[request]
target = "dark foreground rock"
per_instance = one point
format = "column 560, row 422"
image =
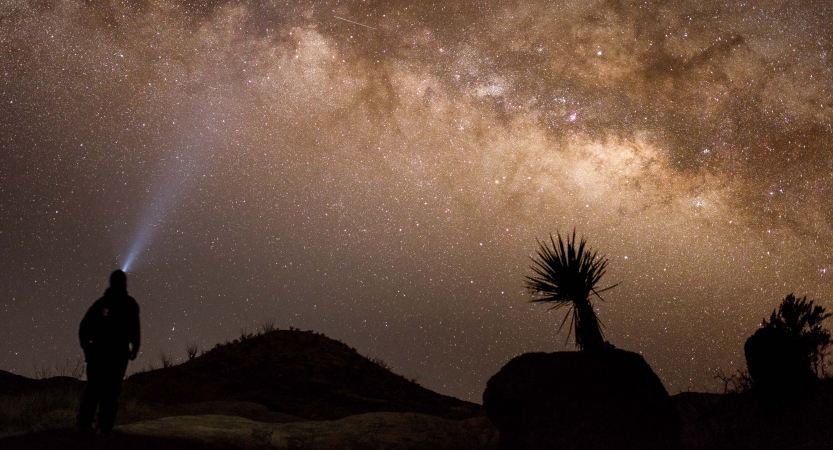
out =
column 745, row 421
column 581, row 400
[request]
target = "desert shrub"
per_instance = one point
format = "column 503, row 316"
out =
column 166, row 358
column 43, row 372
column 73, row 368
column 268, row 325
column 191, row 350
column 381, row 363
column 802, row 320
column 246, row 334
column 734, row 383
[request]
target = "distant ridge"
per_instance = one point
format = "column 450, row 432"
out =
column 13, row 384
column 295, row 372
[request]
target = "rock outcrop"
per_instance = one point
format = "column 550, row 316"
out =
column 608, row 399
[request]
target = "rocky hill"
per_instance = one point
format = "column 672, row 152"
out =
column 280, row 389
column 300, row 373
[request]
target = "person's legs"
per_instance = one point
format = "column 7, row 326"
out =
column 110, row 390
column 91, row 396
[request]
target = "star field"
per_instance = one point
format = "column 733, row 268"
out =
column 379, row 172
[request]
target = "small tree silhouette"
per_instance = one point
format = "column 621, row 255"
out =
column 191, row 350
column 802, row 320
column 566, row 275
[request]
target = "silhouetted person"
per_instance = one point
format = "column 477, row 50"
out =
column 109, row 336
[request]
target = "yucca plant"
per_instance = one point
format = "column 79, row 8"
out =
column 566, row 274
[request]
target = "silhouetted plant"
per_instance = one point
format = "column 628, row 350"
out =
column 71, row 368
column 166, row 358
column 245, row 334
column 381, row 363
column 566, row 275
column 268, row 325
column 191, row 350
column 734, row 383
column 43, row 372
column 802, row 319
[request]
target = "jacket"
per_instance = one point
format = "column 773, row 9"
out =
column 111, row 327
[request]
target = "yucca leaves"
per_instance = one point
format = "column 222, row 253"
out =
column 566, row 274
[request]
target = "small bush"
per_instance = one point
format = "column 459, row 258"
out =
column 381, row 363
column 734, row 383
column 191, row 350
column 166, row 358
column 245, row 334
column 69, row 368
column 802, row 320
column 43, row 372
column 267, row 326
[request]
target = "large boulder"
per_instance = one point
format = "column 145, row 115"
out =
column 608, row 399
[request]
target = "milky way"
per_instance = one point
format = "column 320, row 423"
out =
column 379, row 171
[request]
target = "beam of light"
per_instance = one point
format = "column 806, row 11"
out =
column 149, row 225
column 164, row 201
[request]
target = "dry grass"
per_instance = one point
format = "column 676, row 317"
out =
column 53, row 408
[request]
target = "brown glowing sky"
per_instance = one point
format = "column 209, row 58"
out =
column 379, row 171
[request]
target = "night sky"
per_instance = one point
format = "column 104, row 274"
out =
column 379, row 171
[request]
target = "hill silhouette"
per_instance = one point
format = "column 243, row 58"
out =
column 295, row 386
column 12, row 384
column 300, row 373
column 305, row 388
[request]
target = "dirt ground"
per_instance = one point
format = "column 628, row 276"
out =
column 70, row 440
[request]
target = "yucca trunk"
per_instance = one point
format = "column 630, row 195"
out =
column 588, row 334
